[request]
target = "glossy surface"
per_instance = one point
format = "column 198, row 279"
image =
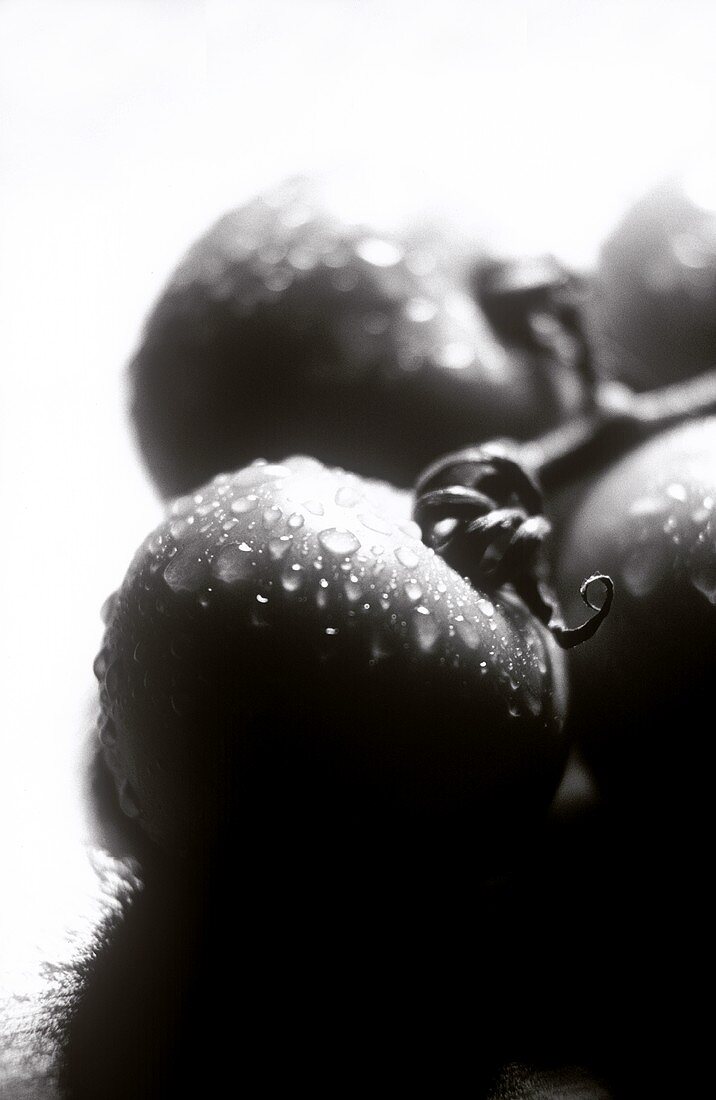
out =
column 284, row 647
column 655, row 294
column 286, row 328
column 644, row 686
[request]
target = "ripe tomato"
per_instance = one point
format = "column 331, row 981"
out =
column 655, row 296
column 285, row 649
column 285, row 329
column 647, row 679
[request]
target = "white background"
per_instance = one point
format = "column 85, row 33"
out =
column 126, row 127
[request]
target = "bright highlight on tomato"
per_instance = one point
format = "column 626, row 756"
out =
column 285, row 651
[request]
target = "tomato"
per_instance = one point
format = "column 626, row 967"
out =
column 286, row 650
column 655, row 297
column 642, row 691
column 286, row 329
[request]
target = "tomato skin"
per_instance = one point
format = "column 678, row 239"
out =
column 644, row 683
column 285, row 329
column 284, row 650
column 654, row 306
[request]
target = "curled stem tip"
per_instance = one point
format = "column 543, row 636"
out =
column 481, row 511
column 568, row 637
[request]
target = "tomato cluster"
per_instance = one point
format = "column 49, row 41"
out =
column 336, row 712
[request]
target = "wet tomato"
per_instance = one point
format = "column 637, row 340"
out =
column 643, row 692
column 286, row 329
column 654, row 301
column 285, row 651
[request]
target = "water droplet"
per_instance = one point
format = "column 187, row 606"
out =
column 107, row 733
column 323, row 582
column 278, row 547
column 407, row 557
column 229, row 525
column 100, row 664
column 296, row 520
column 486, row 607
column 182, row 506
column 331, row 630
column 352, row 588
column 314, row 507
column 411, row 529
column 378, row 253
column 258, row 474
column 426, row 628
column 271, row 517
column 178, row 528
column 233, row 563
column 348, row 496
column 198, row 498
column 244, row 504
column 469, row 633
column 127, row 800
column 108, row 607
column 292, row 581
column 339, row 542
column 376, row 523
column 261, row 599
column 413, row 590
column 186, row 571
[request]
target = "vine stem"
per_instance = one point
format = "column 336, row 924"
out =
column 619, row 420
column 480, row 507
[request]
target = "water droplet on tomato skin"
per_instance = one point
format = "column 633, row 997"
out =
column 107, row 732
column 234, row 562
column 127, row 800
column 413, row 591
column 271, row 516
column 427, row 630
column 186, row 571
column 244, row 504
column 407, row 557
column 277, row 547
column 292, row 578
column 375, row 523
column 468, row 632
column 339, row 542
column 100, row 664
column 348, row 496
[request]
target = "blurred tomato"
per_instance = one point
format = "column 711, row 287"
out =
column 285, row 329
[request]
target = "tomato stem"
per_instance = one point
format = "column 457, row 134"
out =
column 480, row 507
column 619, row 421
